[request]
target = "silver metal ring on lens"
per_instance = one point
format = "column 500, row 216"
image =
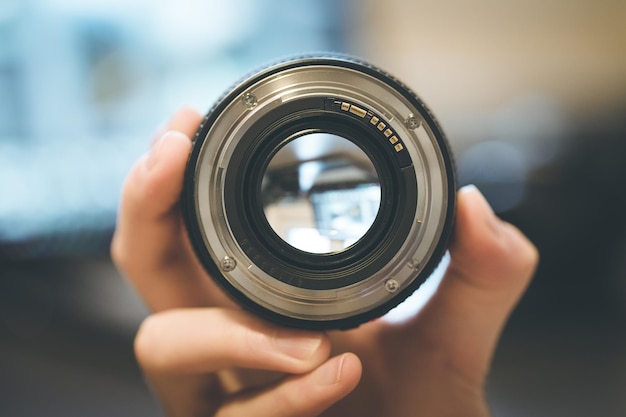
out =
column 319, row 192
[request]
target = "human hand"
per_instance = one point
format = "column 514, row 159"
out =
column 205, row 356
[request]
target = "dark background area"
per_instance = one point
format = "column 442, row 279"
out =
column 547, row 147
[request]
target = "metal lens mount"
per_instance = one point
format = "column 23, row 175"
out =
column 230, row 177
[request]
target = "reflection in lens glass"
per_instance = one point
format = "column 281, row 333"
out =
column 320, row 193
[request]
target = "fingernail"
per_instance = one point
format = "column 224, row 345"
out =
column 298, row 345
column 155, row 153
column 489, row 216
column 470, row 189
column 330, row 372
column 158, row 134
column 153, row 156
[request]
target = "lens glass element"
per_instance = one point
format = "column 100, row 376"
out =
column 320, row 193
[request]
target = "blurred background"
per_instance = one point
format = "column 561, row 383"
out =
column 532, row 96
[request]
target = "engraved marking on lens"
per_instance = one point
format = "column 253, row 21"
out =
column 393, row 139
column 374, row 120
column 381, row 126
column 398, row 147
column 413, row 264
column 345, row 106
column 388, row 132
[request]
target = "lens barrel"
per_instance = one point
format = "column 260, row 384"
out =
column 233, row 176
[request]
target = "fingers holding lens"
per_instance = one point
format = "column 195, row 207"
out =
column 185, row 352
column 150, row 245
column 305, row 395
column 192, row 341
column 491, row 264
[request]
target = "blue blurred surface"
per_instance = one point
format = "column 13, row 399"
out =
column 84, row 84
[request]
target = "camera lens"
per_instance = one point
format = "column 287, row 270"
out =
column 319, row 192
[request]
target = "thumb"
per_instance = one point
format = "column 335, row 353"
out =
column 491, row 264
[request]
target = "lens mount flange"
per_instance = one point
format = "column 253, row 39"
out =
column 222, row 205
